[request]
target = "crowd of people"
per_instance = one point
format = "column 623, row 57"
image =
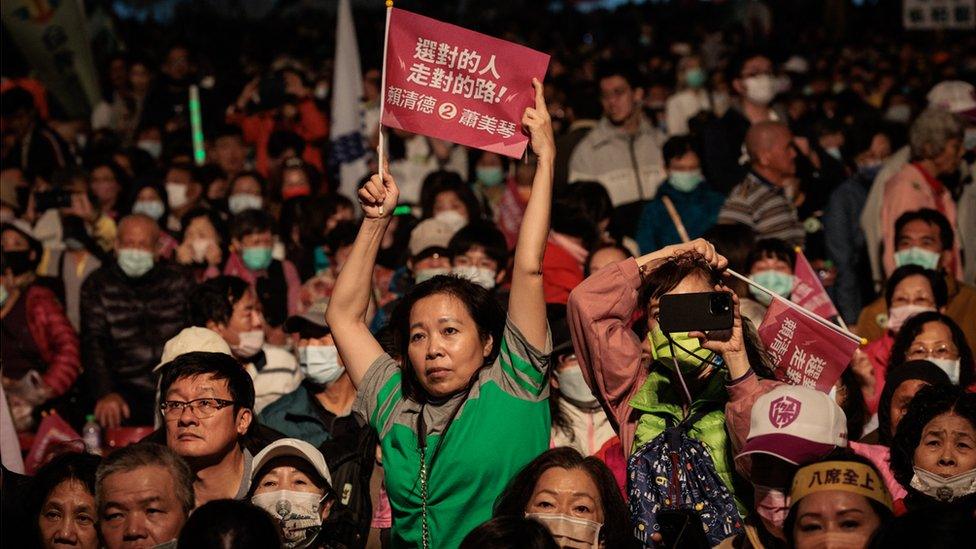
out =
column 467, row 351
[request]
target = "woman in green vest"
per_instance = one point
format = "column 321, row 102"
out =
column 461, row 406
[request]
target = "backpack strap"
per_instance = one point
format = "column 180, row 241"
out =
column 675, row 218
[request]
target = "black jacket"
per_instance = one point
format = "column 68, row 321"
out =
column 124, row 324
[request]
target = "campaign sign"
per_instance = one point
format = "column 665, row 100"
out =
column 804, row 351
column 451, row 83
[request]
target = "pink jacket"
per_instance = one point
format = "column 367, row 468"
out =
column 235, row 267
column 910, row 190
column 600, row 317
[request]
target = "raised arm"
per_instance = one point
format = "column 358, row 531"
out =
column 346, row 315
column 527, row 303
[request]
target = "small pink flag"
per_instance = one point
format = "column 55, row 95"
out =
column 804, row 351
column 52, row 434
column 451, row 83
column 808, row 292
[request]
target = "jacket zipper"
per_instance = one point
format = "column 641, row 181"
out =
column 633, row 161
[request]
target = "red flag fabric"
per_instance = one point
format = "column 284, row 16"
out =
column 808, row 292
column 51, row 433
column 455, row 84
column 804, row 351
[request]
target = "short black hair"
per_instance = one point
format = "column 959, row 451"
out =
column 771, row 248
column 282, row 140
column 929, row 402
column 444, row 181
column 509, row 532
column 936, row 282
column 14, row 100
column 484, row 234
column 211, row 215
column 214, row 300
column 262, row 182
column 342, row 235
column 626, row 71
column 676, row 147
column 229, row 523
column 251, row 222
column 932, row 217
column 737, row 64
column 228, row 130
column 217, row 365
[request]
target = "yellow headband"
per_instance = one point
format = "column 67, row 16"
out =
column 846, row 476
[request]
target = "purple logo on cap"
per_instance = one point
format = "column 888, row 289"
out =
column 783, row 411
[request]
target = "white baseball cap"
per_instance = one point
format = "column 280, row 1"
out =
column 955, row 96
column 796, row 424
column 190, row 340
column 291, row 447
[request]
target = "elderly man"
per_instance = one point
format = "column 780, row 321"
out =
column 207, row 404
column 144, row 493
column 129, row 309
column 936, row 146
column 760, row 201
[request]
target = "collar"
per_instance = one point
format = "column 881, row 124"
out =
column 585, row 123
column 937, row 187
column 658, row 395
column 754, row 176
column 259, row 361
column 605, row 132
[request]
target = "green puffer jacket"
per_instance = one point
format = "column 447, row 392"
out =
column 656, row 397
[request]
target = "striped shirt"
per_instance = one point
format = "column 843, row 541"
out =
column 763, row 207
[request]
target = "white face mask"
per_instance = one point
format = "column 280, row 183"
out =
column 772, row 506
column 424, row 275
column 249, row 343
column 452, row 218
column 154, row 148
column 949, row 366
column 570, row 531
column 760, row 89
column 944, row 488
column 320, row 363
column 481, row 276
column 176, row 195
column 897, row 316
column 298, row 514
column 573, row 386
column 200, row 247
column 239, row 202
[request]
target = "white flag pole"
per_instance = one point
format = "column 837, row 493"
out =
column 805, row 312
column 381, row 145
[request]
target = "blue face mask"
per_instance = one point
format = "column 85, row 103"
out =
column 134, row 262
column 778, row 282
column 151, row 208
column 917, row 256
column 695, row 78
column 490, row 175
column 686, row 181
column 257, row 258
column 869, row 171
column 320, row 363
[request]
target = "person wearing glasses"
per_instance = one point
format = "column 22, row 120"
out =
column 935, row 337
column 208, row 408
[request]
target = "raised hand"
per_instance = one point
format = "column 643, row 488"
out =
column 378, row 197
column 701, row 247
column 537, row 121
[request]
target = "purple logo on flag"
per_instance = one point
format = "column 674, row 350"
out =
column 783, row 411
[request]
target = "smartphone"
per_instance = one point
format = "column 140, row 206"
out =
column 682, row 528
column 699, row 312
column 57, row 198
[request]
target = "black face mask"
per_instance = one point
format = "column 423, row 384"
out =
column 18, row 262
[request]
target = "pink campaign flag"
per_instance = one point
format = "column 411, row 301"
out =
column 808, row 292
column 804, row 351
column 451, row 83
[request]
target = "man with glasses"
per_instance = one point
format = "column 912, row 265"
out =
column 207, row 404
